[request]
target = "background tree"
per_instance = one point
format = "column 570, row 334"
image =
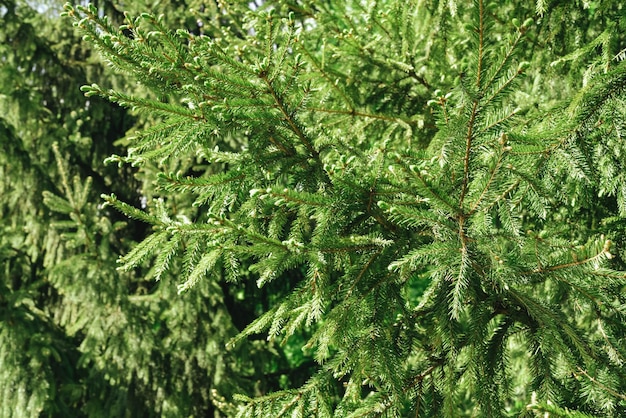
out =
column 42, row 116
column 77, row 337
column 409, row 206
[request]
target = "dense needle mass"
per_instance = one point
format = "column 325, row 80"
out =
column 355, row 208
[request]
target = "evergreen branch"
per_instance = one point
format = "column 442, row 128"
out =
column 100, row 33
column 284, row 50
column 502, row 88
column 333, row 85
column 257, row 326
column 175, row 182
column 221, row 82
column 420, row 377
column 383, row 279
column 165, row 256
column 349, row 248
column 212, row 228
column 550, row 319
column 597, row 257
column 481, row 46
column 202, row 267
column 492, row 176
column 143, row 250
column 469, row 136
column 590, row 101
column 340, row 266
column 424, row 255
column 414, row 170
column 386, row 402
column 297, row 197
column 376, row 215
column 270, row 38
column 288, row 405
column 498, row 122
column 600, row 41
column 287, row 117
column 373, row 18
column 462, row 280
column 419, row 78
column 56, row 203
column 416, row 218
column 227, row 58
column 362, row 272
column 157, row 132
column 550, row 410
column 505, row 60
column 300, row 9
column 139, row 103
column 580, row 289
column 63, row 173
column 306, row 96
column 254, row 236
column 441, row 101
column 290, row 152
column 129, row 210
column 613, row 350
column 174, row 43
column 360, row 114
column 503, row 195
column 601, row 386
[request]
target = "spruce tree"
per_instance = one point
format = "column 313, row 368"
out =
column 77, row 337
column 416, row 200
column 44, row 128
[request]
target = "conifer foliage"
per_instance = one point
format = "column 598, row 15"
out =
column 77, row 337
column 429, row 193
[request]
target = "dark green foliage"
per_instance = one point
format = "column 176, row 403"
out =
column 78, row 337
column 393, row 208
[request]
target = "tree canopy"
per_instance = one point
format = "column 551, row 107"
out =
column 313, row 208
